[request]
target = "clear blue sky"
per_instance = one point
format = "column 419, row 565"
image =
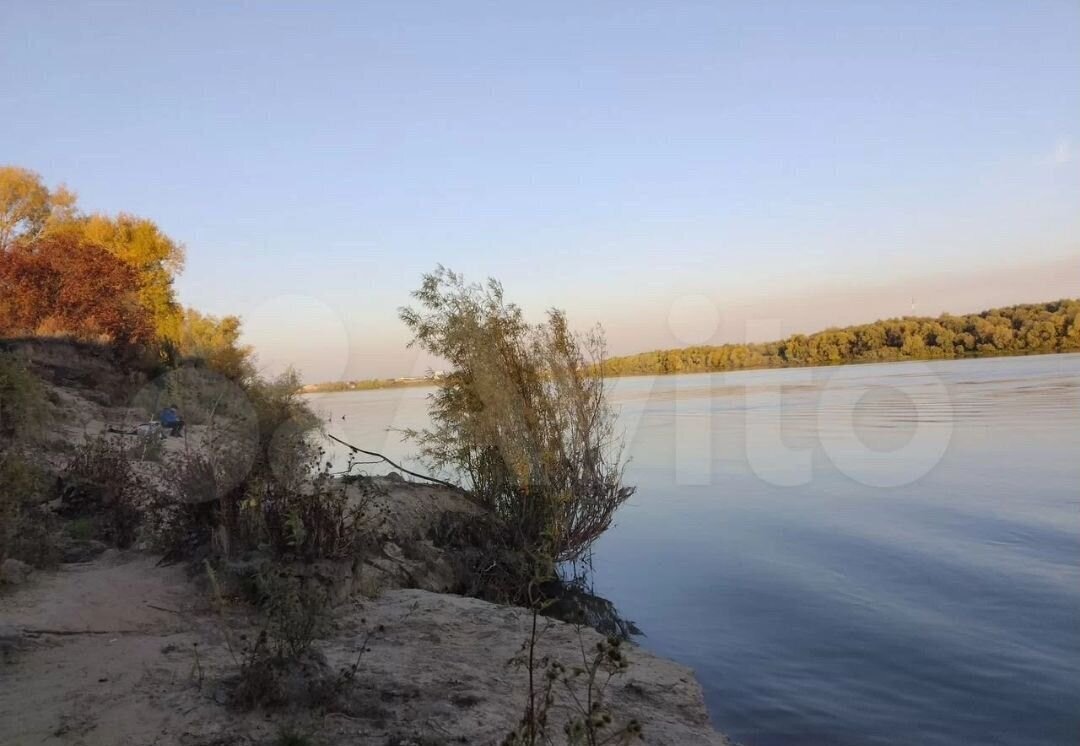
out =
column 813, row 163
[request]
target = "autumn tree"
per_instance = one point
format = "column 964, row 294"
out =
column 66, row 285
column 156, row 258
column 29, row 210
column 27, row 206
column 216, row 342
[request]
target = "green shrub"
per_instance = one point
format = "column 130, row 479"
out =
column 522, row 416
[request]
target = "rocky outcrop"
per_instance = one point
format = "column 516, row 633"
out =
column 444, row 665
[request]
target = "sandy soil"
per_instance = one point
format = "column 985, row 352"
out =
column 106, row 655
column 92, row 666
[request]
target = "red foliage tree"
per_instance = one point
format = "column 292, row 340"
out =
column 63, row 284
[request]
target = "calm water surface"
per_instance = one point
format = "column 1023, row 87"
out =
column 880, row 554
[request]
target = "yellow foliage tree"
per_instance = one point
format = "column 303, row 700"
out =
column 156, row 257
column 27, row 206
column 216, row 342
column 28, row 210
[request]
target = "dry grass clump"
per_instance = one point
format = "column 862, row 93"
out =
column 280, row 664
column 101, row 484
column 578, row 691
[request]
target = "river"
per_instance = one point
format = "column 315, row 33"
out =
column 872, row 554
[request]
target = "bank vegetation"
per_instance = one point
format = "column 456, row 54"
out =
column 1028, row 329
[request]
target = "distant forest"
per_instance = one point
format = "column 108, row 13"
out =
column 366, row 384
column 1012, row 330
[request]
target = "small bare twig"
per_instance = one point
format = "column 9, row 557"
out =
column 162, row 608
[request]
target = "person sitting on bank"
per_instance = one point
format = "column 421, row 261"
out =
column 171, row 420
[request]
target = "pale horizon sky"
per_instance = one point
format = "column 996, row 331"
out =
column 801, row 164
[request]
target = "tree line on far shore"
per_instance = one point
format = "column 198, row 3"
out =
column 1033, row 328
column 368, row 384
column 1011, row 330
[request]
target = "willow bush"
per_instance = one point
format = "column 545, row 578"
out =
column 521, row 417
